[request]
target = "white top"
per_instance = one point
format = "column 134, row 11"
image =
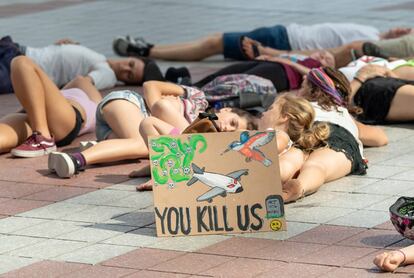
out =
column 339, row 117
column 352, row 68
column 62, row 63
column 328, row 35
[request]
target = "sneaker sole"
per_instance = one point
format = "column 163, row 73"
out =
column 19, row 153
column 62, row 164
column 120, row 43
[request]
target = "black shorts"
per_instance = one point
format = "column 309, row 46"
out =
column 341, row 140
column 375, row 97
column 75, row 131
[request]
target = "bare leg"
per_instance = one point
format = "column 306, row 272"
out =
column 323, row 165
column 14, row 129
column 48, row 111
column 149, row 127
column 191, row 51
column 85, row 84
column 390, row 261
column 115, row 150
column 124, row 118
column 165, row 110
column 402, row 105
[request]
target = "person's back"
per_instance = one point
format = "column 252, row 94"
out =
column 64, row 62
column 328, row 35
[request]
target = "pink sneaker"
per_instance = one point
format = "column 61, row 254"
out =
column 35, row 145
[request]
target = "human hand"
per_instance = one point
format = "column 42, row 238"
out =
column 397, row 32
column 66, row 41
column 371, row 71
column 389, row 261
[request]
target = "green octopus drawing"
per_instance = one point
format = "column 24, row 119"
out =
column 171, row 163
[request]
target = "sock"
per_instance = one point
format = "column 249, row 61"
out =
column 80, row 160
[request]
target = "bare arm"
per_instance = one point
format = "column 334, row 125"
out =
column 85, row 83
column 154, row 90
column 371, row 136
column 282, row 139
column 65, row 41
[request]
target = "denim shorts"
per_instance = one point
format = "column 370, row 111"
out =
column 102, row 128
column 275, row 37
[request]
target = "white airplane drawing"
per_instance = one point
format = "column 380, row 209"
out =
column 220, row 184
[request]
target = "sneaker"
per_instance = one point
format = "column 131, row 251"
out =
column 128, row 46
column 63, row 164
column 35, row 145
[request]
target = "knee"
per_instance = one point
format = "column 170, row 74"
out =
column 20, row 62
column 146, row 126
column 160, row 107
column 214, row 42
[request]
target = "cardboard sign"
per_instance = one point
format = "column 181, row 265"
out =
column 216, row 183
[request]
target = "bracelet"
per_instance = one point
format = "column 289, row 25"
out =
column 405, row 258
column 359, row 80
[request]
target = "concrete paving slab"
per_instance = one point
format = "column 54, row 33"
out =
column 95, row 253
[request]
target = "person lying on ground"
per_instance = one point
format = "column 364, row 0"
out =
column 398, row 47
column 120, row 114
column 329, row 92
column 291, row 117
column 51, row 117
column 290, row 37
column 65, row 61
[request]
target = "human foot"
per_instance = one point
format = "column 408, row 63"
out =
column 35, row 145
column 390, row 261
column 143, row 172
column 292, row 190
column 146, row 186
column 251, row 48
column 65, row 165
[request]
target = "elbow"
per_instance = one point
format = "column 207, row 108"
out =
column 379, row 141
column 384, row 141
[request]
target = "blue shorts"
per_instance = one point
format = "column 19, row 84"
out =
column 275, row 37
column 8, row 50
column 102, row 128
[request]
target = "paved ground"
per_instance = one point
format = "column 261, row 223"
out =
column 97, row 225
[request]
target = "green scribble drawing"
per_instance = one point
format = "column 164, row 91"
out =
column 173, row 158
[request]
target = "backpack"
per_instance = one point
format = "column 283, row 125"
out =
column 243, row 91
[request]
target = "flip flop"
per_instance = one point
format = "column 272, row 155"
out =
column 255, row 49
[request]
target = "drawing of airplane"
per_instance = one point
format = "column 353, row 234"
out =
column 248, row 146
column 220, row 184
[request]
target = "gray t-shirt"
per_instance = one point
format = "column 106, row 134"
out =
column 62, row 63
column 328, row 35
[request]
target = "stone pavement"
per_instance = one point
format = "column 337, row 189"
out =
column 96, row 225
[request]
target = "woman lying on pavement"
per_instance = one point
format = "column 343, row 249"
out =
column 290, row 116
column 384, row 98
column 329, row 93
column 120, row 114
column 51, row 117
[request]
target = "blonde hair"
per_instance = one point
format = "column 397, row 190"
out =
column 300, row 125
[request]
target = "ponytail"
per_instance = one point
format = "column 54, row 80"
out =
column 313, row 137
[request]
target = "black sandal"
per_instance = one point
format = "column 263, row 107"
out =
column 255, row 49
